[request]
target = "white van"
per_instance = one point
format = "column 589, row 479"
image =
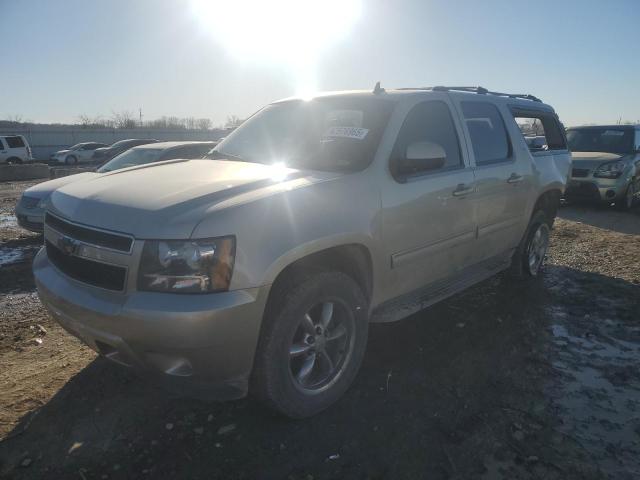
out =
column 14, row 149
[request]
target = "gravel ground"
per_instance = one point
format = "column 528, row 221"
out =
column 508, row 380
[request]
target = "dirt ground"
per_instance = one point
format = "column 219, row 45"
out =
column 508, row 380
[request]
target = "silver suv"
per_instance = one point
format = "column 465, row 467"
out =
column 260, row 272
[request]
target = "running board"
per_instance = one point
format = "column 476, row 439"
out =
column 406, row 305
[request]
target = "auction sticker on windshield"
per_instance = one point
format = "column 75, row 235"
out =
column 346, row 132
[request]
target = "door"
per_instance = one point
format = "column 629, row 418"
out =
column 504, row 179
column 85, row 152
column 428, row 226
column 4, row 153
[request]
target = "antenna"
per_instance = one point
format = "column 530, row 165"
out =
column 378, row 89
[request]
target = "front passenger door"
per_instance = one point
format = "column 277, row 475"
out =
column 428, row 225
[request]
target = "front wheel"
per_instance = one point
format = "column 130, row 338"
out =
column 312, row 345
column 626, row 202
column 71, row 160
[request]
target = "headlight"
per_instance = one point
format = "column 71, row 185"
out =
column 29, row 202
column 187, row 266
column 610, row 170
column 44, row 201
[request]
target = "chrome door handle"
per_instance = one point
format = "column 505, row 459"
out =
column 515, row 178
column 462, row 190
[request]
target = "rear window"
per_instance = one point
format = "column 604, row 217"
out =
column 14, row 142
column 541, row 130
column 487, row 131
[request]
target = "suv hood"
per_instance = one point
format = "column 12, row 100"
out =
column 591, row 160
column 168, row 199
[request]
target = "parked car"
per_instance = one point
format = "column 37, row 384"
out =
column 261, row 271
column 606, row 164
column 105, row 154
column 31, row 207
column 14, row 149
column 79, row 153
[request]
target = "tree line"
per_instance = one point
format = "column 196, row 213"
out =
column 127, row 119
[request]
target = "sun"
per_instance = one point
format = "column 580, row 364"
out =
column 292, row 33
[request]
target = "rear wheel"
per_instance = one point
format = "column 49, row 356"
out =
column 14, row 161
column 312, row 345
column 530, row 254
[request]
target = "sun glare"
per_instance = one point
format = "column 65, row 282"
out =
column 292, row 33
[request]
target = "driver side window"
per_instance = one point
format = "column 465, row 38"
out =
column 428, row 125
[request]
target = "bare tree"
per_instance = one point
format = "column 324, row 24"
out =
column 123, row 119
column 233, row 121
column 17, row 118
column 87, row 121
column 174, row 122
column 203, row 124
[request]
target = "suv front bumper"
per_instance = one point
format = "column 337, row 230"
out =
column 202, row 343
column 596, row 189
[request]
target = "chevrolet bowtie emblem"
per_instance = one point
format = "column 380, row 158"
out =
column 68, row 245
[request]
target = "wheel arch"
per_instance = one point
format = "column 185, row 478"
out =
column 548, row 201
column 352, row 259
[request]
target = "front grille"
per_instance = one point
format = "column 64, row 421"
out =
column 88, row 235
column 579, row 172
column 98, row 274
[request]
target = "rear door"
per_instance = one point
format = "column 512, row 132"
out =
column 428, row 226
column 4, row 152
column 504, row 177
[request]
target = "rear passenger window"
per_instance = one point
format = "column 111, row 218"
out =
column 541, row 130
column 487, row 131
column 430, row 122
column 14, row 142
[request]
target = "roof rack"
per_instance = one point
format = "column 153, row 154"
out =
column 478, row 90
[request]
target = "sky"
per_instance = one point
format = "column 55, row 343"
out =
column 65, row 58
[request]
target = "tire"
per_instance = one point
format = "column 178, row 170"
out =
column 71, row 160
column 294, row 356
column 14, row 161
column 529, row 256
column 626, row 202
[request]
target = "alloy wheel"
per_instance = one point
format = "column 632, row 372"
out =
column 538, row 248
column 321, row 346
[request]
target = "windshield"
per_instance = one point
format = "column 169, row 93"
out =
column 337, row 133
column 131, row 158
column 76, row 146
column 610, row 140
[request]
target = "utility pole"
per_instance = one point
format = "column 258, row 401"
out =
column 140, row 111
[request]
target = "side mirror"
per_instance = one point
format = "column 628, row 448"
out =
column 422, row 157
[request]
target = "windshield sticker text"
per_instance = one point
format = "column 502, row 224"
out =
column 346, row 132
